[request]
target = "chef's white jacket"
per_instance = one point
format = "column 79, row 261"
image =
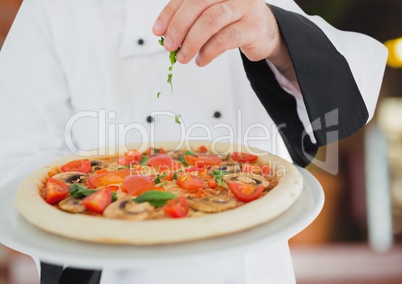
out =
column 79, row 75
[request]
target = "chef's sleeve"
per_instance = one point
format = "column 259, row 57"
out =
column 34, row 95
column 339, row 74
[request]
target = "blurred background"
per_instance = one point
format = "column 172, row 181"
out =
column 358, row 236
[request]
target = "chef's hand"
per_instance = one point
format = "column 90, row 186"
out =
column 207, row 28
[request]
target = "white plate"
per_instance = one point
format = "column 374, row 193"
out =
column 19, row 235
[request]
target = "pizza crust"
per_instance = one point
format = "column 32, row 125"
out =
column 35, row 210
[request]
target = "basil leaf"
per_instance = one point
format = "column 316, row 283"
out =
column 177, row 119
column 155, row 197
column 144, row 161
column 183, row 159
column 162, row 40
column 78, row 191
column 175, row 175
column 219, row 176
column 114, row 196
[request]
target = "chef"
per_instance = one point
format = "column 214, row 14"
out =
column 79, row 75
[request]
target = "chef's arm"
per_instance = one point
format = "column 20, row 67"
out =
column 339, row 74
column 34, row 95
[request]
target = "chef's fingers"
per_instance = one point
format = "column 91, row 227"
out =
column 228, row 38
column 165, row 16
column 185, row 17
column 211, row 21
column 256, row 34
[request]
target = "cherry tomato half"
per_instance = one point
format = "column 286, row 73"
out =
column 202, row 149
column 212, row 183
column 112, row 177
column 55, row 190
column 245, row 192
column 98, row 201
column 190, row 182
column 82, row 166
column 138, row 184
column 130, row 157
column 176, row 208
column 162, row 162
column 207, row 160
column 243, row 157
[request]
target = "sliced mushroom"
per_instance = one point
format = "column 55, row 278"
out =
column 213, row 204
column 247, row 178
column 97, row 165
column 229, row 167
column 72, row 177
column 128, row 210
column 176, row 154
column 72, row 205
column 223, row 157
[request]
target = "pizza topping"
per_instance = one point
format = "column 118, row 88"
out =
column 218, row 176
column 176, row 208
column 247, row 178
column 190, row 182
column 228, row 167
column 162, row 162
column 129, row 210
column 97, row 165
column 245, row 192
column 155, row 151
column 98, row 201
column 138, row 184
column 82, row 166
column 55, row 191
column 70, row 178
column 243, row 157
column 204, row 160
column 213, row 204
column 155, row 184
column 72, row 205
column 201, row 149
column 176, row 154
column 130, row 157
column 111, row 177
column 155, row 197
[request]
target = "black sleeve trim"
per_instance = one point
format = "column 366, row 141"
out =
column 333, row 101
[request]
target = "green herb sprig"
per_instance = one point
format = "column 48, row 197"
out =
column 173, row 60
column 183, row 158
column 219, row 176
column 80, row 192
column 158, row 178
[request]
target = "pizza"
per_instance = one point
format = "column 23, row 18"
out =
column 162, row 195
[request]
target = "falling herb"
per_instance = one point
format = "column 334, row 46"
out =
column 177, row 118
column 173, row 60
